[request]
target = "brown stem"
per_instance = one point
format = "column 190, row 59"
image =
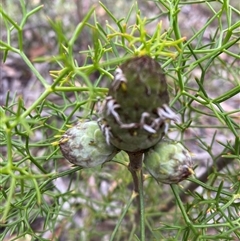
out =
column 135, row 164
column 135, row 167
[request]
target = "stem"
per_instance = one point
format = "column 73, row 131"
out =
column 113, row 236
column 135, row 167
column 181, row 207
column 141, row 204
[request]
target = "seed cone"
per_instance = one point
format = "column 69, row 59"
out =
column 168, row 162
column 135, row 115
column 84, row 145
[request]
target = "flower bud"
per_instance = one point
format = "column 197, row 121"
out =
column 84, row 145
column 168, row 162
column 135, row 114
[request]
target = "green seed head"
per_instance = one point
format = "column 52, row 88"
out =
column 84, row 145
column 135, row 114
column 168, row 162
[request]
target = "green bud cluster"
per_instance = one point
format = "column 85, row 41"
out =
column 134, row 118
column 168, row 162
column 84, row 145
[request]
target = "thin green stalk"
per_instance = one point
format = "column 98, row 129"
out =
column 227, row 95
column 41, row 98
column 8, row 18
column 120, row 219
column 175, row 23
column 80, row 89
column 139, row 174
column 33, row 69
column 212, row 54
column 78, row 30
column 27, row 15
column 9, row 199
column 180, row 205
column 9, row 147
column 201, row 30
